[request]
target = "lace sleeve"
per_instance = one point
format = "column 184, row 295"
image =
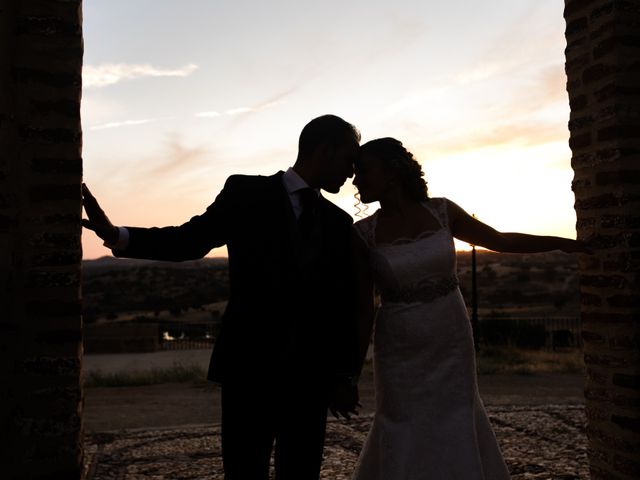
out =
column 440, row 206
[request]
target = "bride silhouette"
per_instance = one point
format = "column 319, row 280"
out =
column 429, row 420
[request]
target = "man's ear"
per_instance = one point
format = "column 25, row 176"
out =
column 319, row 155
column 326, row 151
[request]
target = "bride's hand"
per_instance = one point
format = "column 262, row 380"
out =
column 579, row 246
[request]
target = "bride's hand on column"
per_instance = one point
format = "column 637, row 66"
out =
column 579, row 246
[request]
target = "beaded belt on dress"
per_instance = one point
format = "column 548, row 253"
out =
column 424, row 291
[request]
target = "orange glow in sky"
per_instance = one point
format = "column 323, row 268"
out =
column 176, row 101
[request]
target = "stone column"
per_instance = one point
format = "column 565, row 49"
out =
column 603, row 70
column 40, row 206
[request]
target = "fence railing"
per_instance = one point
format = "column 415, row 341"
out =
column 550, row 333
column 186, row 336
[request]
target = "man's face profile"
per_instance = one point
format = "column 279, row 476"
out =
column 338, row 165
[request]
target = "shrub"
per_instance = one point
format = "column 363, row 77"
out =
column 178, row 373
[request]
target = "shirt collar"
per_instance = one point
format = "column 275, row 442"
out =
column 294, row 182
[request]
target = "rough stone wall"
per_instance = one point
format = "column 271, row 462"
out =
column 603, row 70
column 40, row 205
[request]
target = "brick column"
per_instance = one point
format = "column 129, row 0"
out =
column 40, row 173
column 603, row 70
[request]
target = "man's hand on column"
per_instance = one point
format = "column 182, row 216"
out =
column 98, row 220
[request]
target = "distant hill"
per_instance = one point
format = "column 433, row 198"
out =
column 114, row 263
column 112, row 287
column 522, row 285
column 509, row 285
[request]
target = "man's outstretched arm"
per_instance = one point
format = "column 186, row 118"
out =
column 189, row 241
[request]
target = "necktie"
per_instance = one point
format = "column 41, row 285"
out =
column 309, row 203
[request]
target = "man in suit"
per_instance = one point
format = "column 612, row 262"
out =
column 287, row 347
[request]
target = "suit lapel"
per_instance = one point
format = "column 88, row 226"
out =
column 286, row 226
column 325, row 222
column 282, row 200
column 313, row 246
column 284, row 223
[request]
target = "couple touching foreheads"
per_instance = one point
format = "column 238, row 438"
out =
column 300, row 314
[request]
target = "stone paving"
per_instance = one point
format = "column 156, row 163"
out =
column 538, row 442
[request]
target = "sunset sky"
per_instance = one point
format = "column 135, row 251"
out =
column 178, row 95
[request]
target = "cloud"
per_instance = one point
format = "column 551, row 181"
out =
column 483, row 71
column 523, row 134
column 112, row 73
column 544, row 90
column 229, row 112
column 172, row 164
column 517, row 47
column 179, row 156
column 237, row 111
column 553, row 83
column 208, row 114
column 270, row 102
column 123, row 123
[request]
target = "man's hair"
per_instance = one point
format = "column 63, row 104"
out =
column 329, row 130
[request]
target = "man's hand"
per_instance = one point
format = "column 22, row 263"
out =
column 98, row 220
column 344, row 400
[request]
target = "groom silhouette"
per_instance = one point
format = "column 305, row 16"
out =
column 287, row 346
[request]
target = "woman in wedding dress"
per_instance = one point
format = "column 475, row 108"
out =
column 429, row 421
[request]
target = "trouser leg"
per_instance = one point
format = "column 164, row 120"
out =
column 248, row 431
column 300, row 434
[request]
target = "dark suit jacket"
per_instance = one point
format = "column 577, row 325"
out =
column 291, row 303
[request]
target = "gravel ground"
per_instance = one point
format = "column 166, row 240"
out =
column 147, row 433
column 177, row 404
column 538, row 442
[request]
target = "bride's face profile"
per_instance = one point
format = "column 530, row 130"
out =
column 371, row 178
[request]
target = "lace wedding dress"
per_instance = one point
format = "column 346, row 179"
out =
column 430, row 423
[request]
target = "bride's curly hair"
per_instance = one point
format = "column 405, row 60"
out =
column 400, row 161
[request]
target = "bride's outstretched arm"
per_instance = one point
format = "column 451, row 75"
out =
column 473, row 231
column 364, row 298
